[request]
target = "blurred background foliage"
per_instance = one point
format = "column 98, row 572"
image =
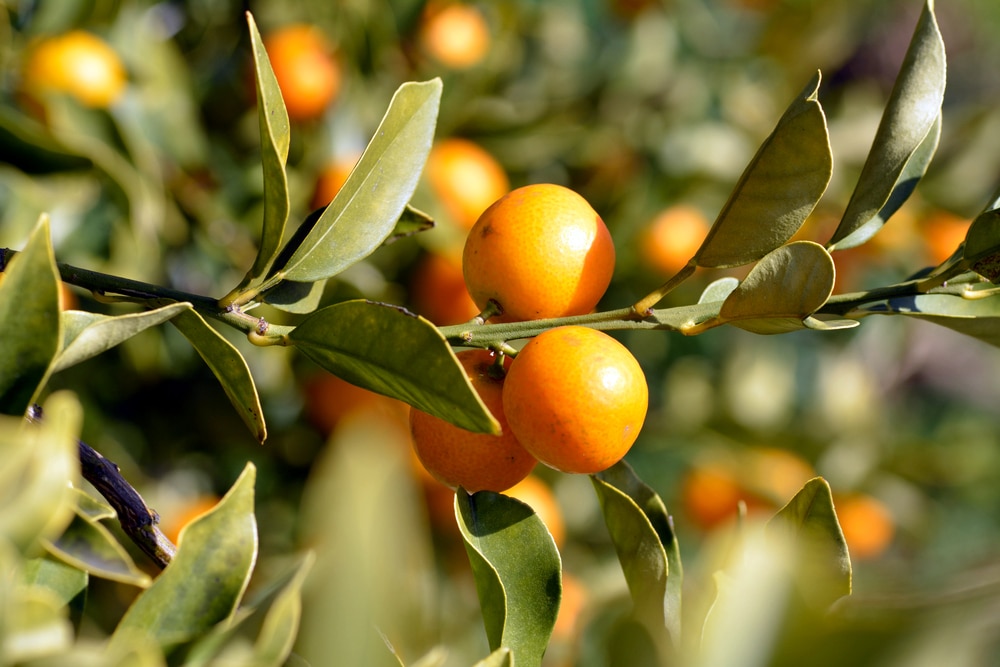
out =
column 638, row 105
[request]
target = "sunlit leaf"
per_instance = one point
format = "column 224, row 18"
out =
column 979, row 318
column 906, row 136
column 365, row 210
column 718, row 290
column 30, row 328
column 89, row 546
column 88, row 334
column 502, row 657
column 517, row 569
column 229, row 367
column 390, row 351
column 642, row 532
column 64, row 580
column 206, row 579
column 778, row 189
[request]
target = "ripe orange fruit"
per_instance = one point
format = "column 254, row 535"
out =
column 466, row 178
column 306, row 70
column 328, row 399
column 539, row 251
column 867, row 525
column 710, row 495
column 474, row 461
column 437, row 290
column 79, row 64
column 536, row 493
column 673, row 237
column 455, row 35
column 185, row 514
column 943, row 233
column 576, row 399
column 331, row 178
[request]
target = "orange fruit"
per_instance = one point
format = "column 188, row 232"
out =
column 329, row 399
column 455, row 35
column 306, row 70
column 473, row 461
column 185, row 514
column 536, row 493
column 576, row 399
column 77, row 63
column 437, row 290
column 571, row 608
column 331, row 178
column 539, row 251
column 710, row 495
column 943, row 233
column 466, row 178
column 673, row 237
column 867, row 525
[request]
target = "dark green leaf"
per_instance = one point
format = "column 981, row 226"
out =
column 778, row 189
column 979, row 318
column 205, row 581
column 365, row 210
column 906, row 134
column 393, row 352
column 26, row 145
column 30, row 328
column 642, row 532
column 517, row 570
column 229, row 367
column 86, row 335
column 293, row 297
column 64, row 580
column 982, row 245
column 89, row 546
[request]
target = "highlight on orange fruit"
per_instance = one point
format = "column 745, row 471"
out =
column 466, row 178
column 332, row 178
column 673, row 237
column 867, row 524
column 306, row 69
column 576, row 399
column 437, row 290
column 943, row 232
column 454, row 34
column 533, row 491
column 563, row 271
column 473, row 461
column 79, row 64
column 172, row 524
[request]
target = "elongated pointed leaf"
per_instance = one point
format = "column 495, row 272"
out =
column 778, row 189
column 979, row 318
column 89, row 546
column 809, row 518
column 643, row 535
column 517, row 569
column 274, row 138
column 393, row 352
column 229, row 367
column 281, row 625
column 906, row 133
column 205, row 581
column 365, row 210
column 88, row 334
column 29, row 312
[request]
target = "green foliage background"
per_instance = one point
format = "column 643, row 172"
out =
column 635, row 105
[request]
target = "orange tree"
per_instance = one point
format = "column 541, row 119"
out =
column 785, row 594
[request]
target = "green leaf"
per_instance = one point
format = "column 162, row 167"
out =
column 393, row 352
column 981, row 250
column 979, row 318
column 89, row 546
column 778, row 189
column 784, row 288
column 810, row 520
column 281, row 625
column 365, row 210
column 642, row 532
column 412, row 221
column 502, row 657
column 30, row 328
column 906, row 136
column 205, row 581
column 93, row 508
column 229, row 367
column 274, row 139
column 38, row 463
column 66, row 581
column 517, row 569
column 294, row 297
column 86, row 335
column 718, row 290
column 38, row 629
column 25, row 144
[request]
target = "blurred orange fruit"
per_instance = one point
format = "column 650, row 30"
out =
column 673, row 237
column 571, row 608
column 437, row 290
column 943, row 233
column 466, row 178
column 329, row 399
column 536, row 493
column 185, row 514
column 710, row 495
column 867, row 524
column 331, row 179
column 473, row 461
column 77, row 63
column 539, row 251
column 307, row 72
column 576, row 399
column 454, row 34
column 776, row 474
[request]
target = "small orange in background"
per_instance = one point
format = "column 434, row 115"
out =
column 867, row 524
column 437, row 290
column 466, row 178
column 536, row 493
column 454, row 34
column 943, row 233
column 710, row 495
column 77, row 63
column 474, row 461
column 539, row 251
column 329, row 399
column 576, row 399
column 673, row 237
column 185, row 514
column 332, row 178
column 307, row 72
